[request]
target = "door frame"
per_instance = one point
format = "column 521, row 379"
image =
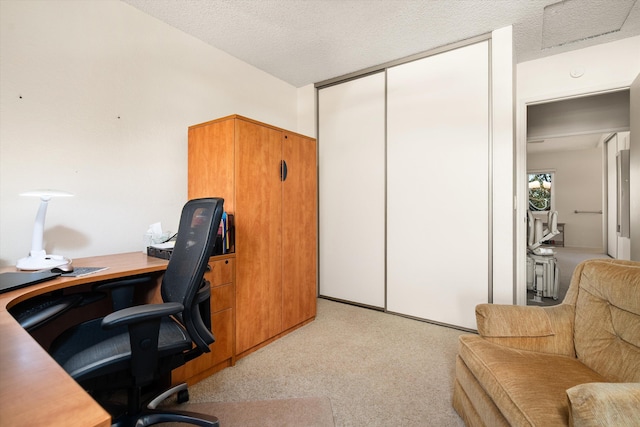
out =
column 520, row 295
column 612, row 138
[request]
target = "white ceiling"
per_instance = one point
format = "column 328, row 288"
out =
column 309, row 41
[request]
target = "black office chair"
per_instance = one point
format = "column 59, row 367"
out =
column 137, row 347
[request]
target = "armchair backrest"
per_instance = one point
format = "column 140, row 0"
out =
column 606, row 297
column 184, row 276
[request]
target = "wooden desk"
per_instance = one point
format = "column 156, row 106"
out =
column 34, row 389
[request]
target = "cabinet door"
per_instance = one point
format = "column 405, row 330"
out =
column 258, row 153
column 299, row 227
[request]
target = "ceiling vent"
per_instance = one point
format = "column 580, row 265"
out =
column 575, row 20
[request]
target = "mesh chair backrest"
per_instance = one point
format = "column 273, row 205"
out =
column 197, row 232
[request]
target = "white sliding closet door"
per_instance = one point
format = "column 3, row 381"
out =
column 438, row 186
column 351, row 151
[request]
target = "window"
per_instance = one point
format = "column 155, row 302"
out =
column 540, row 199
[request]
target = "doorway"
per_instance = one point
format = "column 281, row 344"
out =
column 570, row 139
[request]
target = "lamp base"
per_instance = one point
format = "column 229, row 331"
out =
column 41, row 262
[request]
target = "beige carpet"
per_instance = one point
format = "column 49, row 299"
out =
column 376, row 369
column 308, row 412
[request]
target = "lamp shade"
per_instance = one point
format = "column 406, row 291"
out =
column 47, row 194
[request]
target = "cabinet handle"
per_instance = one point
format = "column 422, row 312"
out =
column 283, row 170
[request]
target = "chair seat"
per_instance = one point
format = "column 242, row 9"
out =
column 83, row 349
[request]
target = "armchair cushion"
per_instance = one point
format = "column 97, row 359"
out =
column 529, row 387
column 604, row 404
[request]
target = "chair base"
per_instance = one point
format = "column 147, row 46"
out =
column 153, row 416
column 124, row 416
column 180, row 390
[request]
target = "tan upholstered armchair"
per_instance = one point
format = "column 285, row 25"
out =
column 577, row 363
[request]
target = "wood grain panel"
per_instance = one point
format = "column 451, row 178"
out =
column 299, row 218
column 210, row 165
column 222, row 297
column 221, row 272
column 258, row 233
column 221, row 350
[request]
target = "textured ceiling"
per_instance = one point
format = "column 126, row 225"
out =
column 308, row 41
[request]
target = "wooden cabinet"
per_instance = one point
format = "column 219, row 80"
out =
column 221, row 276
column 268, row 179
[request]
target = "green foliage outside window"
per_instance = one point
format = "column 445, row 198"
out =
column 540, row 191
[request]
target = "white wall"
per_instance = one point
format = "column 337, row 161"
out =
column 577, row 186
column 503, row 86
column 548, row 79
column 95, row 99
column 634, row 169
column 606, row 66
column 307, row 107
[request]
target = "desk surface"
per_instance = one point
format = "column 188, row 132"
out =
column 34, row 389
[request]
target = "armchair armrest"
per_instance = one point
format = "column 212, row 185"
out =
column 604, row 404
column 543, row 329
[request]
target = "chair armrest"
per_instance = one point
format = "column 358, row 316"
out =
column 543, row 329
column 122, row 291
column 604, row 404
column 136, row 281
column 35, row 312
column 140, row 313
column 143, row 324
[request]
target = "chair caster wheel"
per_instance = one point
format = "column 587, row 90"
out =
column 183, row 396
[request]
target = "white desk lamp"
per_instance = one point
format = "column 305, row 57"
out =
column 38, row 258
